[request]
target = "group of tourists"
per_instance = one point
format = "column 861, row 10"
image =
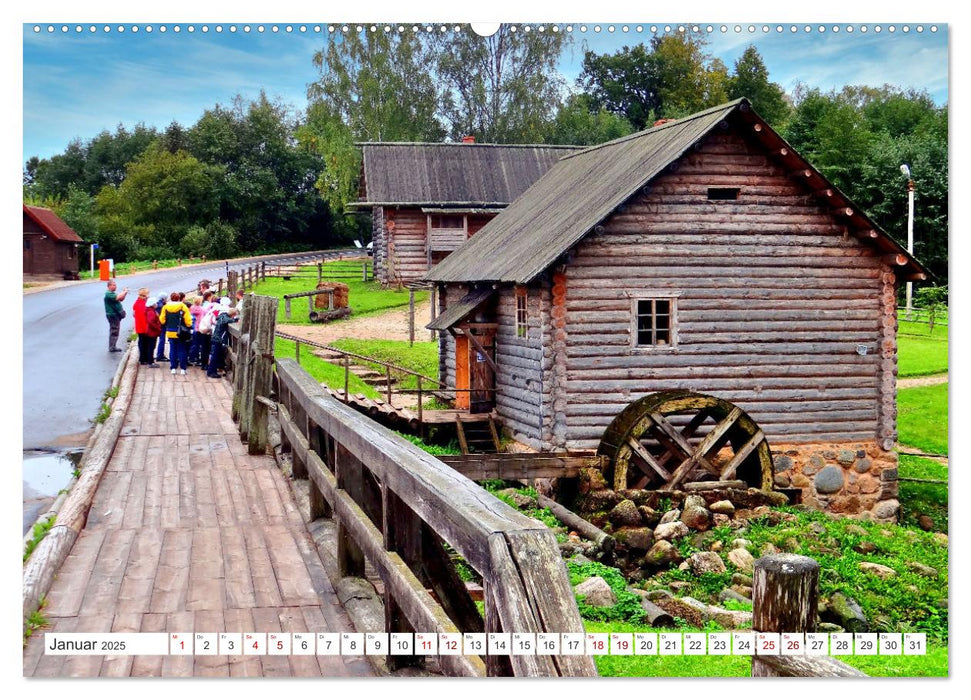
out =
column 196, row 328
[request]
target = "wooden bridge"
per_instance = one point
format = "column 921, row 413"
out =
column 194, row 527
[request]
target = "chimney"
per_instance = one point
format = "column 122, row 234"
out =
column 664, row 121
column 468, row 139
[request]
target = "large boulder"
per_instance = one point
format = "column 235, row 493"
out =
column 706, row 563
column 742, row 559
column 625, row 514
column 696, row 517
column 635, row 538
column 670, row 531
column 661, row 554
column 596, row 592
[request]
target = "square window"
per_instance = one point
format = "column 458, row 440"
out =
column 655, row 322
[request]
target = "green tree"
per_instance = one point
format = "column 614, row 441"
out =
column 577, row 122
column 858, row 138
column 325, row 135
column 503, row 88
column 688, row 79
column 267, row 192
column 750, row 79
column 380, row 84
column 107, row 155
column 78, row 212
column 53, row 176
column 170, row 192
column 672, row 78
column 623, row 83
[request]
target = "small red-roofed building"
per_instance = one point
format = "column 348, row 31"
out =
column 50, row 245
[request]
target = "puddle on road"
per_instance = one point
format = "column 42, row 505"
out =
column 45, row 474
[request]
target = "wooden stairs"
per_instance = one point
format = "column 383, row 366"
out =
column 370, row 376
column 477, row 436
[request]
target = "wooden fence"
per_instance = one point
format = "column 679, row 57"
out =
column 400, row 511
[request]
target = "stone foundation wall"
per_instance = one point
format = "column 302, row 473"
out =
column 850, row 479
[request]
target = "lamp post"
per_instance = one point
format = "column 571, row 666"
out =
column 905, row 169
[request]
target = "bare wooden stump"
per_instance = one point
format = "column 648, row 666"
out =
column 784, row 597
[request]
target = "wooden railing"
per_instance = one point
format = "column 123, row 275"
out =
column 397, row 507
column 399, row 511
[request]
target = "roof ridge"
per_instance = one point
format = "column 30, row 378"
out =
column 465, row 145
column 666, row 125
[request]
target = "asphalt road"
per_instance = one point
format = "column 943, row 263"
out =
column 67, row 366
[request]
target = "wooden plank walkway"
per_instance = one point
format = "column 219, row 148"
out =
column 189, row 533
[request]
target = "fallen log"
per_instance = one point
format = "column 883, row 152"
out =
column 713, row 485
column 658, row 617
column 584, row 528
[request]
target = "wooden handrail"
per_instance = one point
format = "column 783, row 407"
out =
column 395, row 504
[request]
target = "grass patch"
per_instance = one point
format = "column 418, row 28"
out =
column 918, row 499
column 921, row 356
column 451, row 448
column 40, row 532
column 35, row 621
column 920, row 327
column 365, row 298
column 420, row 357
column 922, row 418
column 907, row 602
column 933, row 664
column 321, row 370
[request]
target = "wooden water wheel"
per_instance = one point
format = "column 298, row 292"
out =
column 666, row 439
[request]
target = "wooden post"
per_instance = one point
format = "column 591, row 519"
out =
column 286, row 305
column 262, row 374
column 411, row 317
column 320, row 272
column 263, row 271
column 364, row 272
column 421, row 425
column 330, row 300
column 297, row 343
column 388, row 375
column 784, row 597
column 347, row 377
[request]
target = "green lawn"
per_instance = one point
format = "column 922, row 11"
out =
column 921, row 356
column 364, row 297
column 322, row 371
column 933, row 664
column 420, row 357
column 922, row 418
column 918, row 498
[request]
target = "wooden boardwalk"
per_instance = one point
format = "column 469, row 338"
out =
column 189, row 533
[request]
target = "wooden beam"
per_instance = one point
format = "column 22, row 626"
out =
column 729, row 471
column 638, row 449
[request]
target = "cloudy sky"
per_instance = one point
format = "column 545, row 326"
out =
column 77, row 83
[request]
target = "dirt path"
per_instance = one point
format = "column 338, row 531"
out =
column 908, row 382
column 390, row 325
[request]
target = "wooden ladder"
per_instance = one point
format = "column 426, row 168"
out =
column 477, row 437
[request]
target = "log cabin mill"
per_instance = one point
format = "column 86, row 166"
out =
column 50, row 245
column 426, row 199
column 704, row 255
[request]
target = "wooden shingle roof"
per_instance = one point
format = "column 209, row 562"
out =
column 456, row 174
column 52, row 224
column 583, row 189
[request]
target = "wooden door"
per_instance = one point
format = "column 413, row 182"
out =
column 461, row 372
column 482, row 376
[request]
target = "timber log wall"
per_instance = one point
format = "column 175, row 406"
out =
column 773, row 300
